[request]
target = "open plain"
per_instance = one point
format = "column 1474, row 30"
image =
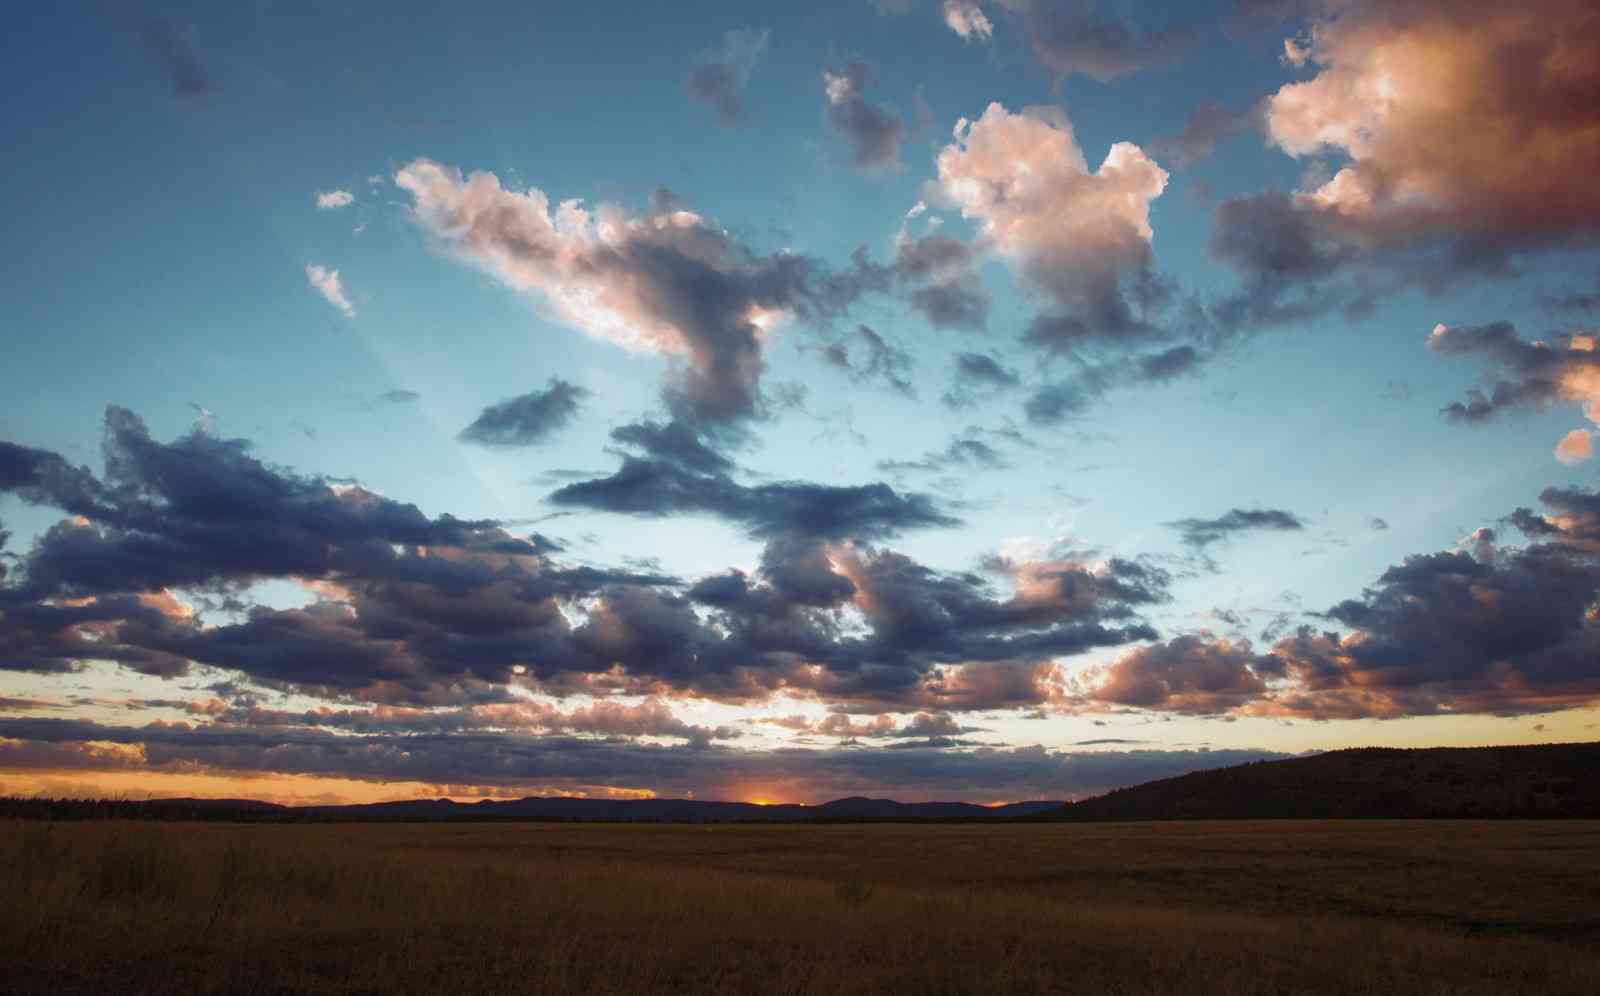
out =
column 1261, row 907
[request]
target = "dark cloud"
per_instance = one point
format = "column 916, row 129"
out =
column 978, row 377
column 1528, row 374
column 672, row 442
column 1584, row 301
column 881, row 361
column 1575, row 525
column 719, row 80
column 202, row 509
column 1167, row 364
column 1200, row 533
column 873, row 132
column 527, row 419
column 1208, row 124
column 941, row 273
column 1486, row 629
column 1494, row 631
column 408, row 610
column 697, row 769
column 174, row 49
column 1073, row 37
column 932, row 641
column 1061, row 399
column 201, row 514
column 965, row 450
column 657, row 487
column 650, row 718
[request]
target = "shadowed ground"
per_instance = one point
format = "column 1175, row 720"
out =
column 1272, row 907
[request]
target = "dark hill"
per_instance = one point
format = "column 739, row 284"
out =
column 1556, row 780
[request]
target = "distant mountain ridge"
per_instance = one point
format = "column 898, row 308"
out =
column 1527, row 782
column 853, row 809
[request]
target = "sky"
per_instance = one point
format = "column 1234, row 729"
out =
column 980, row 399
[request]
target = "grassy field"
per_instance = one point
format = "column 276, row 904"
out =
column 1282, row 907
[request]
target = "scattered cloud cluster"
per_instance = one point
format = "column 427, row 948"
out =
column 1486, row 629
column 876, row 360
column 1529, row 375
column 719, row 79
column 873, row 132
column 419, row 611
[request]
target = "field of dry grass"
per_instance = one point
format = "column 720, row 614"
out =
column 1281, row 907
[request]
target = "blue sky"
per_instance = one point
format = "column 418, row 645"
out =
column 1286, row 225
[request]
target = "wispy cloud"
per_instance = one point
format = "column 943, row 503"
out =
column 327, row 283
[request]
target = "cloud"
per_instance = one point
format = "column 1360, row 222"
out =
column 1208, row 124
column 978, row 377
column 883, row 362
column 1575, row 447
column 1511, row 87
column 701, row 770
column 1583, row 301
column 202, row 514
column 1201, row 533
column 1071, row 37
column 1398, row 82
column 327, row 283
column 963, row 450
column 1530, row 374
column 1504, row 631
column 443, row 613
column 873, row 132
column 941, row 273
column 664, row 282
column 664, row 483
column 174, row 49
column 719, row 80
column 967, row 19
column 332, row 200
column 527, row 419
column 1056, row 401
column 1483, row 629
column 1191, row 674
column 1072, row 233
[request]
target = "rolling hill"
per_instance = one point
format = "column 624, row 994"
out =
column 854, row 809
column 1537, row 782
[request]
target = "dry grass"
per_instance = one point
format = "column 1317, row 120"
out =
column 1245, row 908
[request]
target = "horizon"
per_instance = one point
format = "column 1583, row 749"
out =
column 930, row 400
